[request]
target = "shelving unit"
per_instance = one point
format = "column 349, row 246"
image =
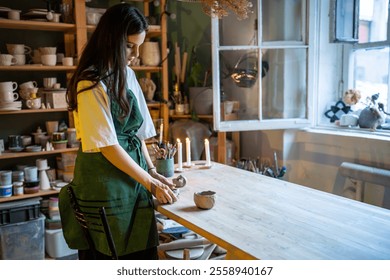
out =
column 75, row 37
column 73, row 42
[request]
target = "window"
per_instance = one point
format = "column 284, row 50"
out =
column 370, row 58
column 265, row 65
column 299, row 70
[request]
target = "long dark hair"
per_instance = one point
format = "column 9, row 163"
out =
column 104, row 56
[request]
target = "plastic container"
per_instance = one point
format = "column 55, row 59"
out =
column 55, row 244
column 23, row 241
column 6, row 191
column 19, row 211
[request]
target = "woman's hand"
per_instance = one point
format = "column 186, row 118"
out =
column 162, row 192
column 161, row 178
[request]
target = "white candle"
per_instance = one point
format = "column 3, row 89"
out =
column 179, row 155
column 188, row 151
column 161, row 132
column 207, row 149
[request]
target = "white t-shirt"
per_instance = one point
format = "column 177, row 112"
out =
column 93, row 120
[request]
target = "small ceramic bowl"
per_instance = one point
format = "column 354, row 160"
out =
column 205, row 199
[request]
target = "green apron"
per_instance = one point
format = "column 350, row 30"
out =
column 96, row 183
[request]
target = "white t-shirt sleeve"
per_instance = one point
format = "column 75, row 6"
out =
column 93, row 120
column 147, row 128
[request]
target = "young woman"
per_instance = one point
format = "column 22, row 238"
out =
column 113, row 168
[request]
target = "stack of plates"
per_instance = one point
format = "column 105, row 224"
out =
column 10, row 106
column 36, row 14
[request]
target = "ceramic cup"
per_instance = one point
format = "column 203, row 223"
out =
column 41, row 163
column 31, row 174
column 26, row 140
column 14, row 14
column 29, row 84
column 7, row 59
column 47, row 50
column 150, row 54
column 49, row 82
column 5, row 177
column 20, row 59
column 51, row 127
column 49, row 59
column 165, row 167
column 57, row 86
column 18, row 49
column 205, row 200
column 67, row 61
column 15, row 141
column 28, row 93
column 8, row 96
column 34, row 103
column 8, row 86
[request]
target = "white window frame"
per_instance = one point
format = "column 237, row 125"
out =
column 348, row 53
column 310, row 41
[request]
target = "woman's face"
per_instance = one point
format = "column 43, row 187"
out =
column 133, row 43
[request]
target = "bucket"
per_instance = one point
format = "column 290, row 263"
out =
column 201, row 100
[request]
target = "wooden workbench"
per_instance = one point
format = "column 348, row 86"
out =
column 258, row 217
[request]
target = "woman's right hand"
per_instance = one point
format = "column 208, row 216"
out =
column 162, row 192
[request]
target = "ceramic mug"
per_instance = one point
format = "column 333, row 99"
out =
column 31, row 173
column 8, row 96
column 29, row 84
column 165, row 167
column 7, row 59
column 20, row 59
column 49, row 59
column 18, row 49
column 28, row 93
column 14, row 14
column 15, row 141
column 8, row 86
column 34, row 103
column 49, row 82
column 5, row 177
column 67, row 61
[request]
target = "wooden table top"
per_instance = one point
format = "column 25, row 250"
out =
column 258, row 217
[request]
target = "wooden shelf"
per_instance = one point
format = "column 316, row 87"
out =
column 8, row 154
column 32, row 111
column 37, row 25
column 190, row 116
column 37, row 67
column 25, row 196
column 146, row 68
column 154, row 30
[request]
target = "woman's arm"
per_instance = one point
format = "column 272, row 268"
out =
column 119, row 158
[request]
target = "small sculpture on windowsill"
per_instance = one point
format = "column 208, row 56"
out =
column 371, row 117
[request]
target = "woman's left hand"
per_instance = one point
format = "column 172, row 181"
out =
column 161, row 178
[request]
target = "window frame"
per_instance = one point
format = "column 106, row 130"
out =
column 309, row 41
column 349, row 50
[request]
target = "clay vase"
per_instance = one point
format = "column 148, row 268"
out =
column 150, row 54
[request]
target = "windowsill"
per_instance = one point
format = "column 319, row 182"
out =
column 380, row 135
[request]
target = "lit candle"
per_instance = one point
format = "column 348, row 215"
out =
column 207, row 149
column 161, row 132
column 179, row 155
column 188, row 151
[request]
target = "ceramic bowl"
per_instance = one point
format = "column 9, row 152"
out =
column 205, row 199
